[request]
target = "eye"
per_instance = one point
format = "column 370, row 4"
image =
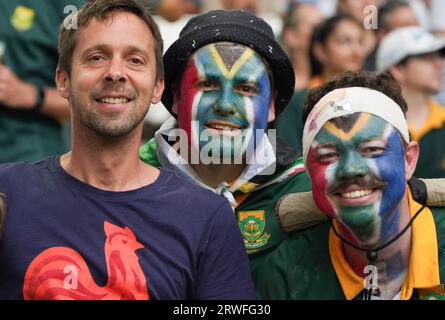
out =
column 95, row 58
column 372, row 148
column 327, row 155
column 136, row 61
column 372, row 151
column 207, row 85
column 248, row 89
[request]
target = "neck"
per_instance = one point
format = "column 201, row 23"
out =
column 302, row 69
column 108, row 163
column 328, row 74
column 418, row 106
column 213, row 174
column 392, row 262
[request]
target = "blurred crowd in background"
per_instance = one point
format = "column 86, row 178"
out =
column 323, row 38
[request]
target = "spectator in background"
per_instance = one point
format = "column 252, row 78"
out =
column 251, row 6
column 414, row 58
column 437, row 16
column 336, row 47
column 391, row 15
column 31, row 111
column 298, row 25
column 172, row 10
column 357, row 8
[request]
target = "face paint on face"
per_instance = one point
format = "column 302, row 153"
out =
column 224, row 93
column 357, row 166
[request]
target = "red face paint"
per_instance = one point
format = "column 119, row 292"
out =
column 188, row 92
column 318, row 173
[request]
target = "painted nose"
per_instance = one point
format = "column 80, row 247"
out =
column 352, row 165
column 225, row 105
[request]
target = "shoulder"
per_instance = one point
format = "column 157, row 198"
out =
column 22, row 173
column 292, row 178
column 11, row 171
column 189, row 195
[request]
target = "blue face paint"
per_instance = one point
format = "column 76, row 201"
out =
column 230, row 101
column 358, row 173
column 391, row 166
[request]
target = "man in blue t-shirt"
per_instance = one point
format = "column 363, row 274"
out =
column 98, row 223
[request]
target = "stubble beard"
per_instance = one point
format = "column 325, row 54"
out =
column 109, row 127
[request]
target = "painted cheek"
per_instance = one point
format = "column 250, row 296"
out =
column 391, row 166
column 319, row 175
column 187, row 98
column 261, row 102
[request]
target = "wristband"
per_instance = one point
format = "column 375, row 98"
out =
column 40, row 97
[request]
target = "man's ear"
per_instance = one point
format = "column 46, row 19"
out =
column 397, row 73
column 411, row 156
column 272, row 109
column 63, row 83
column 158, row 90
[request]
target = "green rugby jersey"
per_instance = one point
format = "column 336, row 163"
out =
column 311, row 265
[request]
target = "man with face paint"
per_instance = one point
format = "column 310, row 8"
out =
column 380, row 243
column 226, row 80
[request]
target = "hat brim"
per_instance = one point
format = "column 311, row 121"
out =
column 437, row 46
column 178, row 53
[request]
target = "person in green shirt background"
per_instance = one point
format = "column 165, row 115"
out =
column 415, row 58
column 31, row 111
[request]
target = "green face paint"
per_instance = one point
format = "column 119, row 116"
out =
column 358, row 171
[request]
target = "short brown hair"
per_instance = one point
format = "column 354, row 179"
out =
column 101, row 10
column 382, row 82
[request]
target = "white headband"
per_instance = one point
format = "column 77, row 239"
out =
column 347, row 101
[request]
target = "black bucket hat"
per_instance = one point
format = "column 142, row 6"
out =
column 232, row 26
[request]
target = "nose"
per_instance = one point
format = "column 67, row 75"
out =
column 352, row 165
column 357, row 49
column 225, row 106
column 115, row 72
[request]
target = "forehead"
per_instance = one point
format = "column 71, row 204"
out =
column 228, row 58
column 354, row 128
column 118, row 30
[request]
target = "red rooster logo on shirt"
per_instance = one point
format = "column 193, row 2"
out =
column 62, row 273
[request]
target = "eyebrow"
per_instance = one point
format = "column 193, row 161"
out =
column 107, row 48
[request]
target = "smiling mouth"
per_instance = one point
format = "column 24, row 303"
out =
column 357, row 196
column 224, row 127
column 114, row 100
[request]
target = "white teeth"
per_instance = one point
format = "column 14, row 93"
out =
column 221, row 127
column 356, row 194
column 111, row 100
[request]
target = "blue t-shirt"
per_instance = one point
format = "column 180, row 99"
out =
column 65, row 239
